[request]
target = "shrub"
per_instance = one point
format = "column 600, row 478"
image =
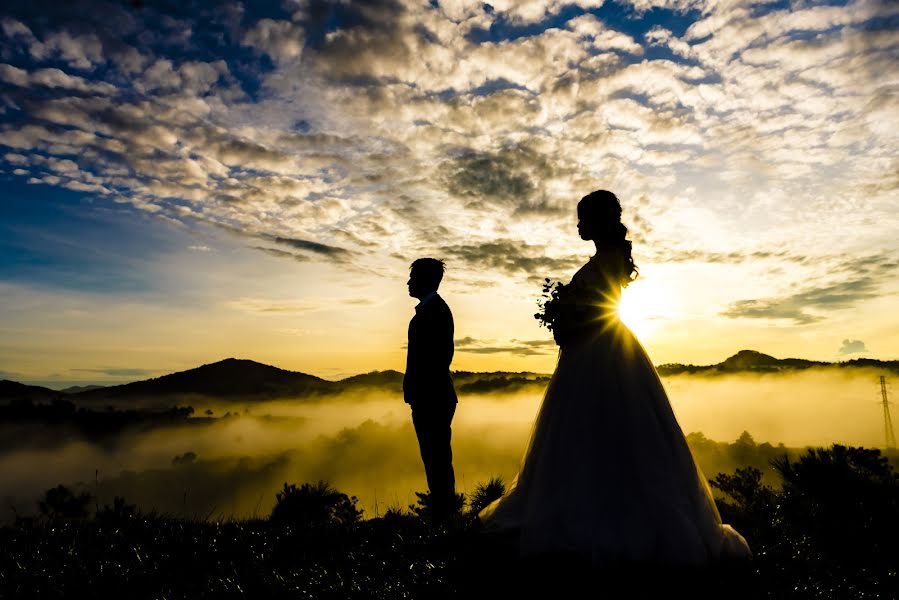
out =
column 396, row 514
column 314, row 504
column 841, row 497
column 751, row 498
column 119, row 511
column 61, row 503
column 485, row 493
column 425, row 509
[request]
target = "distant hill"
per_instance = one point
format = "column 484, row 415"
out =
column 75, row 389
column 497, row 382
column 385, row 380
column 239, row 379
column 13, row 390
column 225, row 379
column 234, row 378
column 750, row 361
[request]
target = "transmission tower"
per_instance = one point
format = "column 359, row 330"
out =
column 887, row 421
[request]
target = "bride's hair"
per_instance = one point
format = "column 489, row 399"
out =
column 602, row 210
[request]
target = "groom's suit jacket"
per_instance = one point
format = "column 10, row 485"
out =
column 427, row 382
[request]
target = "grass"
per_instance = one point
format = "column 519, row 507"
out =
column 831, row 531
column 405, row 557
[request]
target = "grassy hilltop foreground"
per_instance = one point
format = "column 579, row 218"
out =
column 828, row 531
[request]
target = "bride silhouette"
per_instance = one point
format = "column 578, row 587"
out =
column 607, row 474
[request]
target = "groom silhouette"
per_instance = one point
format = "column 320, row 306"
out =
column 427, row 385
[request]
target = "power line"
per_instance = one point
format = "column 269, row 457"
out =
column 887, row 421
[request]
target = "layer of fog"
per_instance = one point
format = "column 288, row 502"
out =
column 368, row 448
column 808, row 408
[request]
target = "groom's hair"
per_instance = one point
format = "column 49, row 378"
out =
column 429, row 269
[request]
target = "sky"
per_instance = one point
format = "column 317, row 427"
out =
column 184, row 182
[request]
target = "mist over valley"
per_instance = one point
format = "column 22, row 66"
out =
column 220, row 440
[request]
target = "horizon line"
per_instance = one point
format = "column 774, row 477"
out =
column 69, row 383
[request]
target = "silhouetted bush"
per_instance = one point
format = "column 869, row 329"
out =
column 752, row 500
column 396, row 513
column 61, row 503
column 315, row 504
column 829, row 532
column 424, row 508
column 485, row 493
column 120, row 511
column 838, row 498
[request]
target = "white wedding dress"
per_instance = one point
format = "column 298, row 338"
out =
column 608, row 473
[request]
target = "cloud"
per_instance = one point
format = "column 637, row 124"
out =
column 266, row 306
column 852, row 347
column 160, row 76
column 857, row 279
column 287, row 306
column 52, row 78
column 314, row 247
column 282, row 253
column 480, row 176
column 805, row 307
column 661, row 253
column 515, row 347
column 603, row 38
column 659, row 36
column 120, row 371
column 534, row 11
column 510, row 257
column 372, row 37
column 12, row 28
column 80, row 51
column 520, row 180
column 282, row 40
column 355, row 130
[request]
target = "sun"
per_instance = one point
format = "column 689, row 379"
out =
column 641, row 309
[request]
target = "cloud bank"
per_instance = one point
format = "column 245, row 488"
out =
column 359, row 134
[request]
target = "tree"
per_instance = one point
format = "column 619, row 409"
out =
column 753, row 505
column 841, row 497
column 61, row 503
column 314, row 504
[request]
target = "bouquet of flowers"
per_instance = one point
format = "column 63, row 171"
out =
column 550, row 305
column 570, row 311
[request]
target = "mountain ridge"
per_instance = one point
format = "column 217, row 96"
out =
column 244, row 378
column 752, row 361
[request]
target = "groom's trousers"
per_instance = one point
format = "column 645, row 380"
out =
column 433, row 428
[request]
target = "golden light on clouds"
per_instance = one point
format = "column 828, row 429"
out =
column 281, row 180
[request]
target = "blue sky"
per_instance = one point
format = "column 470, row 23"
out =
column 59, row 238
column 193, row 162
